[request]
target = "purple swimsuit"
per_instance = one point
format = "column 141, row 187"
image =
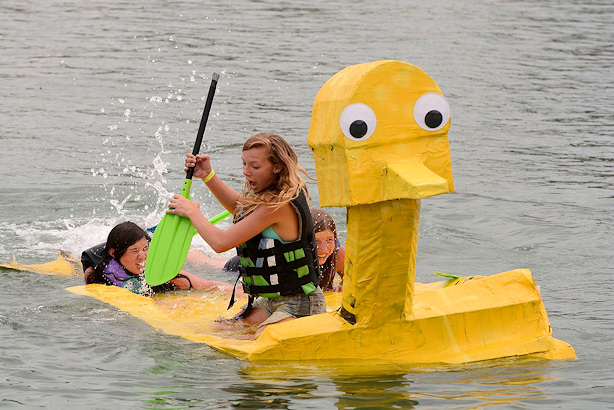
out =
column 115, row 273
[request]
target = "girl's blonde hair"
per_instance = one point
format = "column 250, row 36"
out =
column 288, row 184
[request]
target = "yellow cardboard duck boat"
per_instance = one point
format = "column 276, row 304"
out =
column 379, row 139
column 379, row 135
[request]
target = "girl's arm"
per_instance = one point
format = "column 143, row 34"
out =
column 284, row 221
column 340, row 262
column 89, row 270
column 200, row 258
column 199, row 283
column 225, row 195
column 339, row 267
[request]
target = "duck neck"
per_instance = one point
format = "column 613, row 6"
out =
column 378, row 284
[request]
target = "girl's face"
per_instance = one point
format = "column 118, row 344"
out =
column 325, row 241
column 258, row 170
column 134, row 257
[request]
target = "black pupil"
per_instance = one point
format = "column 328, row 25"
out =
column 358, row 129
column 433, row 119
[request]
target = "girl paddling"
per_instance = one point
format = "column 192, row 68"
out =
column 272, row 231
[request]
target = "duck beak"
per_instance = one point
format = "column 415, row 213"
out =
column 411, row 179
column 363, row 179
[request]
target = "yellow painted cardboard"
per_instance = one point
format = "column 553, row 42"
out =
column 354, row 172
column 63, row 265
column 380, row 176
column 439, row 331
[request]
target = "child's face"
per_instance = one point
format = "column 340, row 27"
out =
column 134, row 257
column 325, row 241
column 258, row 170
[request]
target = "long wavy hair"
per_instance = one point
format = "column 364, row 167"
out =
column 322, row 221
column 288, row 183
column 121, row 237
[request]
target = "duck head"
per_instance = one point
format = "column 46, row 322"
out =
column 379, row 132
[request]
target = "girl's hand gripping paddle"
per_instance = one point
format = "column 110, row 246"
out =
column 173, row 236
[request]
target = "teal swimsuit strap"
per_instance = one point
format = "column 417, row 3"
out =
column 270, row 233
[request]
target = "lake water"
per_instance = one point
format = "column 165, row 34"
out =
column 101, row 100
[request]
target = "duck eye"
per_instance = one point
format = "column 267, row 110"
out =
column 431, row 112
column 357, row 121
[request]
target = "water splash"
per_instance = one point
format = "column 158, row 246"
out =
column 119, row 206
column 158, row 136
column 160, row 167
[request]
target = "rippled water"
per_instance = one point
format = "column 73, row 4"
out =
column 100, row 101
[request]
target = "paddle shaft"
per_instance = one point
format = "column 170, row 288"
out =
column 203, row 121
column 172, row 239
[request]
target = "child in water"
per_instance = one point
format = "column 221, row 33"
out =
column 331, row 254
column 121, row 262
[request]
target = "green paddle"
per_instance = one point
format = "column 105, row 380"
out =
column 215, row 219
column 173, row 236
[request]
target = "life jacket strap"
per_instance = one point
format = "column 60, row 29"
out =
column 272, row 270
column 246, row 311
column 232, row 297
column 291, row 286
column 278, row 250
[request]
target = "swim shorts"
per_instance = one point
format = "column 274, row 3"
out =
column 294, row 306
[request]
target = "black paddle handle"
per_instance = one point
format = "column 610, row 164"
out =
column 203, row 121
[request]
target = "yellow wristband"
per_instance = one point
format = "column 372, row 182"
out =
column 208, row 177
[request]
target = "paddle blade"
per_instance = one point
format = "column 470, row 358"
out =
column 160, row 243
column 169, row 245
column 168, row 249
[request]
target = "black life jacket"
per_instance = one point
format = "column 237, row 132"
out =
column 93, row 256
column 270, row 268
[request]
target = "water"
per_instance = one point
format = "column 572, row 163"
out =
column 102, row 99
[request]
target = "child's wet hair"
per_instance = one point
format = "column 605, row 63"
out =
column 123, row 236
column 322, row 221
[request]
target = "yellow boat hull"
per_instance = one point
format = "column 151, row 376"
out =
column 64, row 265
column 455, row 321
column 498, row 316
column 491, row 317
